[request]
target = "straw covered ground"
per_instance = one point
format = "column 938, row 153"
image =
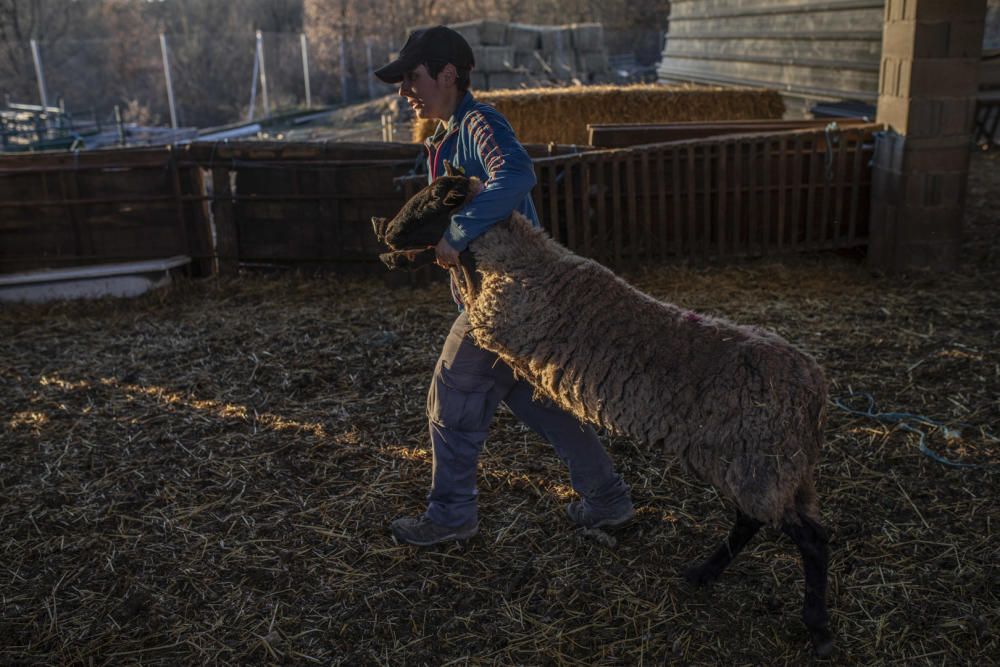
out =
column 561, row 115
column 206, row 476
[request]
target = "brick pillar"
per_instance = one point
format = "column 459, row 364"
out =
column 927, row 96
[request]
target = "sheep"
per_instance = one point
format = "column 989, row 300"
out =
column 743, row 409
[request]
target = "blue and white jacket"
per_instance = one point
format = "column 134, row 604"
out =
column 478, row 140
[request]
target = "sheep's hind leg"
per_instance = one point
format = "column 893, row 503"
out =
column 812, row 542
column 709, row 570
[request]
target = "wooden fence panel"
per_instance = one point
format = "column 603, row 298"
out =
column 725, row 196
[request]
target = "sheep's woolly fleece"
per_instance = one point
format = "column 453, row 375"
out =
column 742, row 408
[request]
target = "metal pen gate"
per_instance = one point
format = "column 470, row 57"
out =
column 730, row 196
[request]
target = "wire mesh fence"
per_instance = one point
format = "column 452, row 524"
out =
column 214, row 76
column 219, row 78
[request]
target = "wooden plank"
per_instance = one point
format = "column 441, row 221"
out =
column 616, row 208
column 852, row 225
column 622, row 135
column 827, row 184
column 678, row 220
column 572, row 231
column 226, row 240
column 661, row 188
column 797, row 184
column 782, row 189
column 767, row 164
column 810, row 217
column 692, row 201
column 536, row 192
column 633, row 222
column 706, row 158
column 553, row 217
column 204, row 262
column 839, row 228
column 647, row 200
column 68, row 186
column 585, row 227
column 739, row 188
column 753, row 169
column 601, row 249
column 721, row 196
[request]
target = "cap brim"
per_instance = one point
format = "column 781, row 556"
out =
column 394, row 71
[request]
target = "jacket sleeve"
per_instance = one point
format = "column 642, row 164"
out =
column 510, row 177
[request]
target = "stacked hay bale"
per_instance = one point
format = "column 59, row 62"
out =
column 519, row 55
column 561, row 115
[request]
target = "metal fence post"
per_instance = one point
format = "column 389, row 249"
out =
column 170, row 83
column 305, row 68
column 263, row 74
column 253, row 85
column 371, row 72
column 39, row 74
column 343, row 69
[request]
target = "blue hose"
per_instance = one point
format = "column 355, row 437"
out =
column 903, row 419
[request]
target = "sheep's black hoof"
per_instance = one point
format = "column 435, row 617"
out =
column 822, row 641
column 701, row 575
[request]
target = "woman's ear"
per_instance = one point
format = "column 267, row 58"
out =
column 449, row 74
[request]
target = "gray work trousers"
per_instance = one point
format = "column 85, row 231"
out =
column 468, row 385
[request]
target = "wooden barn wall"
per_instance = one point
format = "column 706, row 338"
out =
column 807, row 49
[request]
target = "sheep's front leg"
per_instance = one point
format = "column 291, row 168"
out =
column 708, row 571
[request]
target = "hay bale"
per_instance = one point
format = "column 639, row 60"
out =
column 507, row 80
column 527, row 61
column 524, row 37
column 561, row 115
column 469, row 30
column 587, row 36
column 491, row 59
column 479, row 80
column 592, row 62
column 555, row 40
column 493, row 33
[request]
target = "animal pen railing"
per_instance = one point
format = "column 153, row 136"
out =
column 749, row 195
column 306, row 204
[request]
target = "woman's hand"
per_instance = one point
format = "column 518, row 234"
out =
column 447, row 256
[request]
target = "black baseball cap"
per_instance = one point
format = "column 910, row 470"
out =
column 437, row 44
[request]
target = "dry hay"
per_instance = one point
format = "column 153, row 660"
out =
column 207, row 475
column 561, row 115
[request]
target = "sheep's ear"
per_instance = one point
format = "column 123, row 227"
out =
column 448, row 169
column 454, row 198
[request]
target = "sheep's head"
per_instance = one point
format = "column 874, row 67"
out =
column 420, row 224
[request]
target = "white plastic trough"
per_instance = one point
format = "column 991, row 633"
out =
column 126, row 279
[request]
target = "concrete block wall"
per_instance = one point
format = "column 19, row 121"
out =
column 927, row 94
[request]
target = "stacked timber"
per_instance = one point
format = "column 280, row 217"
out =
column 811, row 50
column 519, row 55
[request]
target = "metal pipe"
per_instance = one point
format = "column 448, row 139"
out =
column 253, row 85
column 170, row 83
column 40, row 74
column 263, row 74
column 343, row 69
column 305, row 68
column 371, row 72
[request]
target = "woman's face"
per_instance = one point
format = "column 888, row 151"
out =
column 426, row 95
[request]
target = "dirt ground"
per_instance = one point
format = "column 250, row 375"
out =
column 206, row 475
